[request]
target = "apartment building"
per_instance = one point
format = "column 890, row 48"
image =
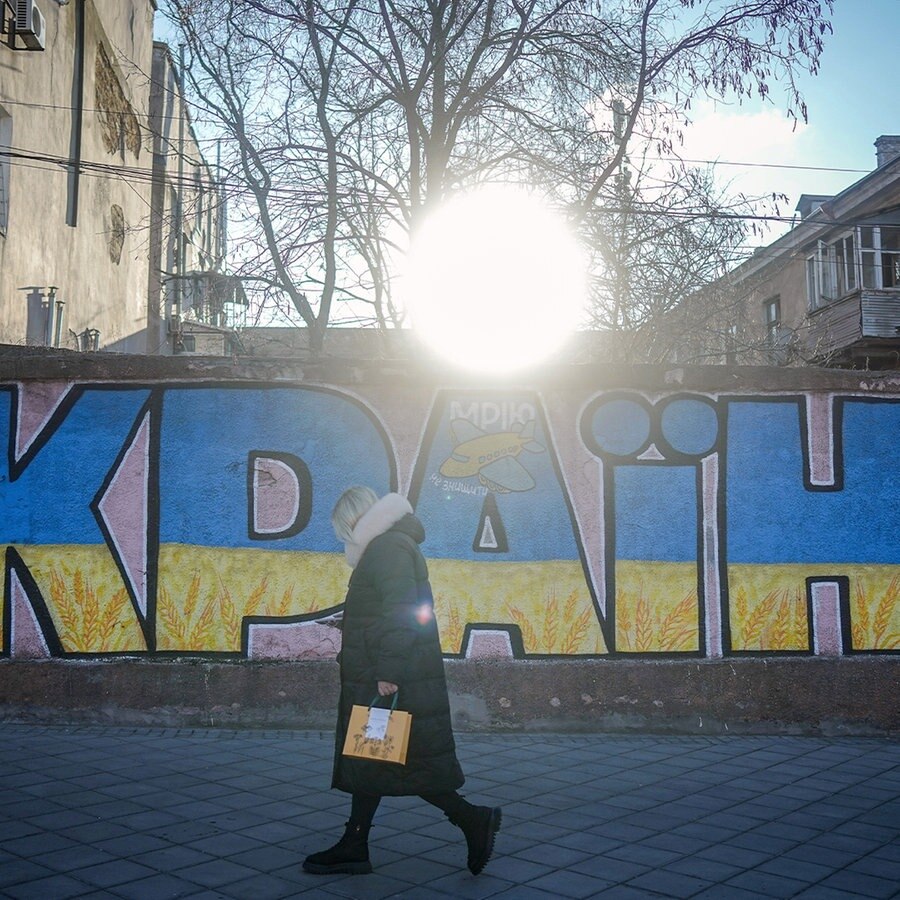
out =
column 110, row 225
column 828, row 291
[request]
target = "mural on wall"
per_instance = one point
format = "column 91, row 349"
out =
column 654, row 486
column 168, row 521
column 502, row 543
column 178, row 519
column 812, row 524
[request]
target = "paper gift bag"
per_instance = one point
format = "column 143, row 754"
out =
column 378, row 734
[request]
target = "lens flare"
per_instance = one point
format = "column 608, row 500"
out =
column 495, row 280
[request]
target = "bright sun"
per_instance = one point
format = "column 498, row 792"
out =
column 495, row 280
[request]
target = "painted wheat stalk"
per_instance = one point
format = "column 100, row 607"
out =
column 192, row 596
column 231, row 621
column 167, row 616
column 782, row 625
column 860, row 629
column 200, row 633
column 255, row 600
column 678, row 626
column 89, row 625
column 86, row 598
column 756, row 621
column 59, row 594
column 882, row 620
column 529, row 637
column 551, row 624
column 624, row 629
column 287, row 602
column 111, row 619
column 740, row 609
column 643, row 626
column 576, row 633
column 789, row 628
column 799, row 622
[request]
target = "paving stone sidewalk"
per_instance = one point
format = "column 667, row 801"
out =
column 156, row 813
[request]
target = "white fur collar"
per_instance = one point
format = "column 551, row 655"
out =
column 385, row 513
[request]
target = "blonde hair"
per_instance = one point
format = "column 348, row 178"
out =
column 352, row 505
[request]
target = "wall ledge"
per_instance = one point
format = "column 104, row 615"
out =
column 802, row 696
column 39, row 364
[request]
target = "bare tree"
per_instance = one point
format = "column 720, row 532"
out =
column 345, row 121
column 667, row 235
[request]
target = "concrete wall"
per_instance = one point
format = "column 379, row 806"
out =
column 82, row 228
column 686, row 549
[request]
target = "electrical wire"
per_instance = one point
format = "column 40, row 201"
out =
column 133, row 176
column 51, row 163
column 757, row 165
column 135, row 173
column 698, row 162
column 230, row 138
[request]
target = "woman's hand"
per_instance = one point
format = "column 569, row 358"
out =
column 385, row 688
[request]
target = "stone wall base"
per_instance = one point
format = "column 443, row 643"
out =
column 843, row 696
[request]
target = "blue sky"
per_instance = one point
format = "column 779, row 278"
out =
column 851, row 101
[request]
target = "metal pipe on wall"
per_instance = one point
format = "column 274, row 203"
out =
column 179, row 192
column 60, row 309
column 48, row 324
column 77, row 118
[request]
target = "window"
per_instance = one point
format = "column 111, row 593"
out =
column 845, row 264
column 880, row 246
column 867, row 257
column 812, row 287
column 772, row 318
column 777, row 337
column 5, row 146
column 890, row 256
column 821, row 276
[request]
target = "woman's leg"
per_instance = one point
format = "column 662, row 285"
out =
column 479, row 824
column 350, row 855
column 448, row 802
column 363, row 808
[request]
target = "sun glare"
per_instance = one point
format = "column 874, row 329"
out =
column 495, row 280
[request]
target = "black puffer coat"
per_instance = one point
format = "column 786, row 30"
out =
column 390, row 634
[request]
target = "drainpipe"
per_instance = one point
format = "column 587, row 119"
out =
column 221, row 215
column 51, row 306
column 77, row 118
column 179, row 203
column 60, row 307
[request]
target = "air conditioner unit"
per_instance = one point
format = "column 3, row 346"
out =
column 30, row 24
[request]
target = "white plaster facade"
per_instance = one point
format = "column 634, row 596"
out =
column 83, row 234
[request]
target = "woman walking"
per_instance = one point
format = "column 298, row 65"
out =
column 391, row 644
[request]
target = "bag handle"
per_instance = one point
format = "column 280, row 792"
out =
column 377, row 697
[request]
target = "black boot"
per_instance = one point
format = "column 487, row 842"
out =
column 349, row 856
column 479, row 824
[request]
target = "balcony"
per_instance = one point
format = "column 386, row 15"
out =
column 861, row 330
column 210, row 297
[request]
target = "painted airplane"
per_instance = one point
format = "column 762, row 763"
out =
column 491, row 456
